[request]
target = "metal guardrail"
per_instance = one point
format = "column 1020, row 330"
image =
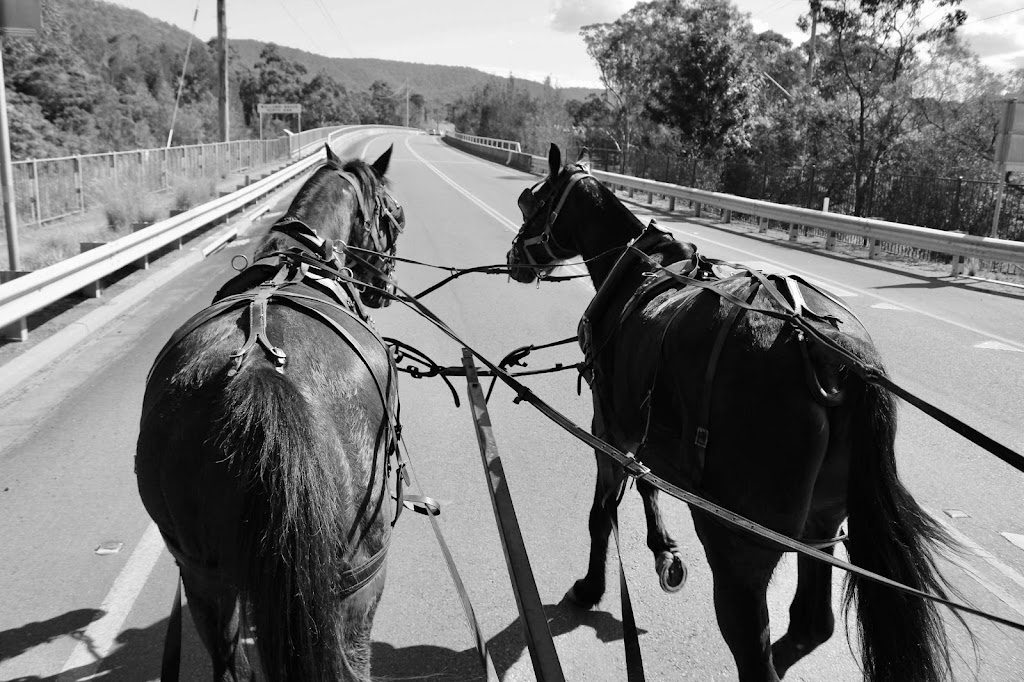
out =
column 938, row 241
column 53, row 188
column 23, row 296
column 507, row 145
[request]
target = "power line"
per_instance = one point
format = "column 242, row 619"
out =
column 301, row 28
column 994, row 16
column 327, row 13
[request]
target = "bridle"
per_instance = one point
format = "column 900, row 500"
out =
column 381, row 227
column 532, row 208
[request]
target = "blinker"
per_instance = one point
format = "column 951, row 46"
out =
column 528, row 203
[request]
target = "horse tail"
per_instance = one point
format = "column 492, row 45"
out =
column 292, row 536
column 902, row 636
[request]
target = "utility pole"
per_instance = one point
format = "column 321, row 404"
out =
column 222, row 83
column 407, row 103
column 815, row 7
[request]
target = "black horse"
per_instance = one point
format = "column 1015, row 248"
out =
column 267, row 469
column 740, row 408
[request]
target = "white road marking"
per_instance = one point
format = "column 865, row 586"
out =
column 99, row 637
column 464, row 192
column 1015, row 539
column 832, row 285
column 998, row 345
column 957, row 514
column 990, row 559
column 888, row 306
column 494, row 213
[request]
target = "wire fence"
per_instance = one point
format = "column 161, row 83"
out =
column 940, row 203
column 50, row 189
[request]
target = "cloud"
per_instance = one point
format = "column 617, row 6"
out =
column 569, row 15
column 994, row 44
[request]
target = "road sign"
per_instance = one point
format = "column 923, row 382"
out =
column 264, row 108
column 1010, row 141
column 20, row 17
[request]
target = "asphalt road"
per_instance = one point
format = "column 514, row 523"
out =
column 67, row 439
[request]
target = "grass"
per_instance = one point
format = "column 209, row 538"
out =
column 124, row 203
column 189, row 192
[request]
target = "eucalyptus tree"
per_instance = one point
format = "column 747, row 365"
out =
column 869, row 62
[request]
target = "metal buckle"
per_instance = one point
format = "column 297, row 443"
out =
column 701, row 440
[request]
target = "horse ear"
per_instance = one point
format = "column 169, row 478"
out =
column 554, row 159
column 584, row 159
column 380, row 166
column 331, row 156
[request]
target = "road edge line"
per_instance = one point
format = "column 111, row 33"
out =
column 100, row 636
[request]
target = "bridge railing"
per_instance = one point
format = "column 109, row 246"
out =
column 874, row 231
column 35, row 290
column 507, row 145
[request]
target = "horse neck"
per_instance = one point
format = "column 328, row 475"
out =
column 330, row 211
column 605, row 226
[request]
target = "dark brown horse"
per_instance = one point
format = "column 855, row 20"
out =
column 734, row 405
column 266, row 434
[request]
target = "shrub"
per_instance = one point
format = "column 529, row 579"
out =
column 124, row 202
column 189, row 192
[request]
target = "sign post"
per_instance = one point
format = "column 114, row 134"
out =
column 17, row 18
column 278, row 108
column 1009, row 151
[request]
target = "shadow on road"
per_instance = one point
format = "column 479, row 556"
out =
column 506, row 647
column 17, row 641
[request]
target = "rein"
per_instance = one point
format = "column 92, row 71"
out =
column 635, row 469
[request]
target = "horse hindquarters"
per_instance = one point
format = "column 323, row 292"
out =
column 296, row 515
column 903, row 637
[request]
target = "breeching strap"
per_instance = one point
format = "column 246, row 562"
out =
column 637, row 470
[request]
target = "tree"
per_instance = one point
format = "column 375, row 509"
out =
column 276, row 80
column 624, row 57
column 680, row 64
column 384, row 103
column 701, row 77
column 868, row 61
column 326, row 102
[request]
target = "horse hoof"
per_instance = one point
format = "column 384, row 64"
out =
column 581, row 596
column 671, row 571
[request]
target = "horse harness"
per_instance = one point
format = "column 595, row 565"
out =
column 709, row 274
column 531, row 206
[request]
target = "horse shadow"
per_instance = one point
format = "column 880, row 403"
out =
column 136, row 655
column 505, row 648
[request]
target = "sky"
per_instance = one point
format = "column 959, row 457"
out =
column 527, row 38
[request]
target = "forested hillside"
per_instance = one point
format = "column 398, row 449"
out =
column 102, row 77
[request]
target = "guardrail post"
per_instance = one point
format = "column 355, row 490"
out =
column 873, row 248
column 17, row 330
column 956, row 202
column 94, row 290
column 696, row 209
column 631, row 192
column 726, row 215
column 650, row 197
column 142, row 263
column 79, row 183
column 762, row 224
column 830, row 240
column 792, row 232
column 671, row 204
column 37, row 209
